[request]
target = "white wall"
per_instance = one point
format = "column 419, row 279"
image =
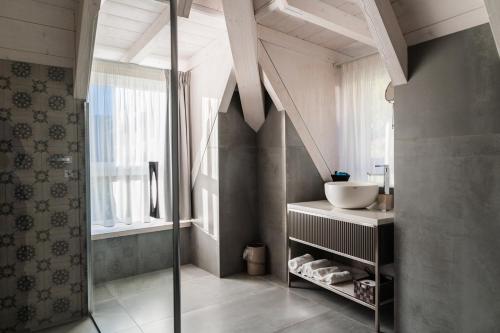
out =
column 38, row 31
column 306, row 88
column 209, row 82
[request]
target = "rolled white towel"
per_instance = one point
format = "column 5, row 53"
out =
column 356, row 273
column 337, row 277
column 320, row 273
column 296, row 263
column 308, row 268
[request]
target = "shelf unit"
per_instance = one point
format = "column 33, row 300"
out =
column 363, row 235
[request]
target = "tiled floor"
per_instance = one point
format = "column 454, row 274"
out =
column 143, row 304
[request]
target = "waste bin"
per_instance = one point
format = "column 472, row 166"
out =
column 255, row 255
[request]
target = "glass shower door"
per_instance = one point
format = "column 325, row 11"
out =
column 131, row 164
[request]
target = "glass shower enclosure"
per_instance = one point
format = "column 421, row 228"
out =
column 132, row 182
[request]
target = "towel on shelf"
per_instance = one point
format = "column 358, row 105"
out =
column 356, row 273
column 296, row 263
column 337, row 277
column 320, row 273
column 308, row 268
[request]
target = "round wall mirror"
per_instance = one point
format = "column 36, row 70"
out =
column 389, row 93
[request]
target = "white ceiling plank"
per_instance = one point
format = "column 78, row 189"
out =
column 448, row 26
column 38, row 12
column 391, row 43
column 126, row 11
column 105, row 52
column 267, row 9
column 493, row 8
column 216, row 46
column 329, row 17
column 184, row 7
column 141, row 47
column 163, row 62
column 36, row 38
column 152, row 6
column 36, row 58
column 299, row 45
column 242, row 31
column 68, row 4
column 121, row 23
column 86, row 33
column 207, row 16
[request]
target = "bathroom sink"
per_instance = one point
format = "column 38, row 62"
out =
column 351, row 194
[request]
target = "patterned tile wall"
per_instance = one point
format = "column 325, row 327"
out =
column 42, row 235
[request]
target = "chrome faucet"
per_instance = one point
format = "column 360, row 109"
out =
column 387, row 177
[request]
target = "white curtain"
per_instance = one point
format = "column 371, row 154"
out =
column 364, row 119
column 128, row 117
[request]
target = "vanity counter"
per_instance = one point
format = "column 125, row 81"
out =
column 323, row 208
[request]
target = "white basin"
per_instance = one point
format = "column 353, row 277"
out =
column 351, row 194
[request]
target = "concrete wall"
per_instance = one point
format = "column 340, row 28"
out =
column 303, row 181
column 237, row 187
column 225, row 195
column 120, row 257
column 271, row 191
column 447, row 153
column 286, row 174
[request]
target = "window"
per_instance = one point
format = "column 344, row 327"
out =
column 127, row 127
column 364, row 119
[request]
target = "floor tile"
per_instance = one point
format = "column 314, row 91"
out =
column 266, row 311
column 157, row 303
column 191, row 272
column 240, row 303
column 111, row 317
column 102, row 294
column 150, row 305
column 134, row 329
column 134, row 285
column 83, row 326
column 330, row 322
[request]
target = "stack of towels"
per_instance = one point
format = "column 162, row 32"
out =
column 322, row 270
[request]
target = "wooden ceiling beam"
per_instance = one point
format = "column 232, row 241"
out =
column 329, row 17
column 85, row 33
column 391, row 43
column 139, row 50
column 184, row 8
column 300, row 45
column 268, row 9
column 242, row 32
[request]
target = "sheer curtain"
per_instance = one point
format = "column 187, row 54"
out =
column 364, row 119
column 128, row 122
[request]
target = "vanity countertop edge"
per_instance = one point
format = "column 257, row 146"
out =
column 323, row 208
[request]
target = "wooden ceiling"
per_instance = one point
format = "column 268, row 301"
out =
column 125, row 28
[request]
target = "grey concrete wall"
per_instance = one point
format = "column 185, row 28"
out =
column 237, row 187
column 120, row 257
column 286, row 174
column 271, row 191
column 303, row 181
column 204, row 250
column 447, row 175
